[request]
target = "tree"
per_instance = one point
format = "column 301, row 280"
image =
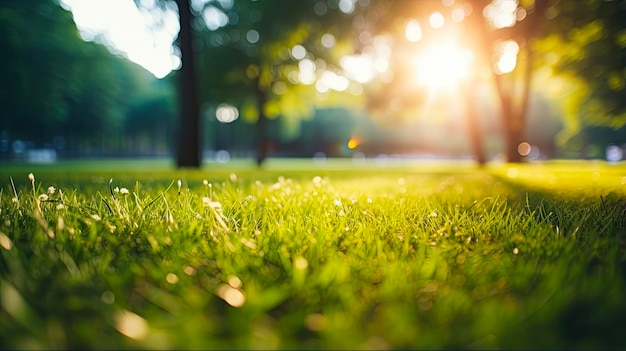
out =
column 485, row 29
column 255, row 61
column 56, row 85
column 577, row 44
column 585, row 53
column 188, row 150
column 243, row 48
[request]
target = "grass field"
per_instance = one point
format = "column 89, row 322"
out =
column 135, row 254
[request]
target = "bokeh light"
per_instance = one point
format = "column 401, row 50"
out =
column 436, row 20
column 524, row 148
column 507, row 61
column 353, row 143
column 252, row 36
column 413, row 31
column 328, row 40
column 614, row 153
column 298, row 52
column 226, row 113
column 501, row 13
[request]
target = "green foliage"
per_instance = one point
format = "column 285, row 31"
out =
column 67, row 87
column 260, row 74
column 584, row 46
column 326, row 257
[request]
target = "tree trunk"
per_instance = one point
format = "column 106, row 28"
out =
column 188, row 153
column 473, row 129
column 514, row 103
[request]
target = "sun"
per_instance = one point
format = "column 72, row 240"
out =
column 442, row 66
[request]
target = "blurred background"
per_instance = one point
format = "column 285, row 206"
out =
column 215, row 80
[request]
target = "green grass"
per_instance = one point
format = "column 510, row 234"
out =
column 303, row 255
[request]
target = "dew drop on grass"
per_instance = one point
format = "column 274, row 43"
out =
column 107, row 297
column 190, row 270
column 131, row 325
column 5, row 242
column 315, row 322
column 234, row 282
column 301, row 263
column 512, row 172
column 232, row 296
column 171, row 278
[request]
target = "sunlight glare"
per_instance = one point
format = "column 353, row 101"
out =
column 120, row 26
column 360, row 68
column 443, row 66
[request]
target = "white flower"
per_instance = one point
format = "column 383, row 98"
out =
column 233, row 177
column 51, row 190
column 205, row 182
column 124, row 191
column 206, row 202
column 96, row 217
column 515, row 251
column 31, row 177
column 43, row 197
column 337, row 202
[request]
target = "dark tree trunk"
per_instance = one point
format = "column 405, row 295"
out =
column 514, row 102
column 262, row 146
column 473, row 128
column 188, row 153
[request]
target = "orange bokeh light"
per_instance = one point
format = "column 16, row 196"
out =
column 353, row 143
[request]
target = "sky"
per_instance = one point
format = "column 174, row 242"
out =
column 124, row 29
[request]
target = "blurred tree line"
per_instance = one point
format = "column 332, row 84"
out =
column 60, row 92
column 282, row 65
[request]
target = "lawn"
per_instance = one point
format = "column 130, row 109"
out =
column 297, row 254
